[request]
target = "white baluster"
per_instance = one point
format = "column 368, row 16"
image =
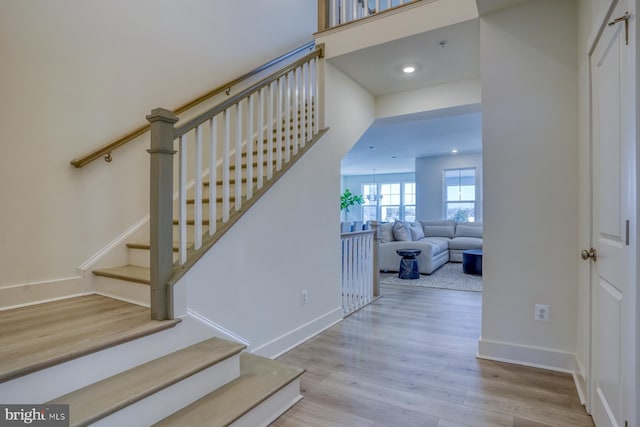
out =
column 249, row 184
column 279, row 123
column 213, row 174
column 226, row 165
column 377, row 6
column 334, row 18
column 238, row 152
column 198, row 190
column 287, row 118
column 182, row 215
column 304, row 105
column 315, row 104
column 343, row 11
column 388, row 4
column 296, row 109
column 270, row 134
column 261, row 124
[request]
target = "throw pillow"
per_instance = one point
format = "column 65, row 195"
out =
column 401, row 232
column 469, row 231
column 385, row 231
column 439, row 228
column 417, row 232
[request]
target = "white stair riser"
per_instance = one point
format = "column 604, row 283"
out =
column 269, row 410
column 173, row 398
column 140, row 257
column 135, row 293
column 74, row 374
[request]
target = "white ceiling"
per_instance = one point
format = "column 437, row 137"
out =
column 458, row 59
column 432, row 133
column 391, row 145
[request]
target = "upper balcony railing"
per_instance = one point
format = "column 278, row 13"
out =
column 333, row 13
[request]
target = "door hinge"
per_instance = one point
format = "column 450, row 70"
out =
column 624, row 18
column 626, row 239
column 626, row 423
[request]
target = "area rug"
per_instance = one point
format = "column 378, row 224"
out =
column 449, row 276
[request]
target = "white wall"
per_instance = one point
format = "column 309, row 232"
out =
column 430, row 187
column 77, row 74
column 530, row 157
column 287, row 242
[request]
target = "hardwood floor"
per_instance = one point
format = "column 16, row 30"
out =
column 408, row 359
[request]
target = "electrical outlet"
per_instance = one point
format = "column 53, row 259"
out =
column 304, row 296
column 542, row 313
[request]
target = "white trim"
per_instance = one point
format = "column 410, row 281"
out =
column 25, row 294
column 297, row 336
column 580, row 380
column 271, row 408
column 88, row 264
column 536, row 357
column 225, row 332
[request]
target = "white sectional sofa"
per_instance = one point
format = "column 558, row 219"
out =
column 440, row 242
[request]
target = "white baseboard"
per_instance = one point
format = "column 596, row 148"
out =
column 536, row 357
column 286, row 342
column 21, row 295
column 580, row 379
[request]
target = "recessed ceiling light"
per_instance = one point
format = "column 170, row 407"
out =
column 408, row 69
column 454, row 151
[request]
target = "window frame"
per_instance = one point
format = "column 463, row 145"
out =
column 445, row 193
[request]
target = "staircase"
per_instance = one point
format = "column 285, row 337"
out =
column 130, row 282
column 101, row 353
column 114, row 366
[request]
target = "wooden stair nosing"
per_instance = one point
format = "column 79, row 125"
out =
column 147, row 245
column 260, row 378
column 130, row 273
column 59, row 347
column 96, row 401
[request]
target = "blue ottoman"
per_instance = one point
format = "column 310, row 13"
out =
column 472, row 261
column 408, row 264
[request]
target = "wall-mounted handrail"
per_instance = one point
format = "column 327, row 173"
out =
column 105, row 150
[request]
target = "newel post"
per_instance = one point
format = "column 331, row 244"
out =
column 161, row 209
column 323, row 15
column 376, row 261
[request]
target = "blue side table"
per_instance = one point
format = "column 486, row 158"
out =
column 408, row 264
column 472, row 261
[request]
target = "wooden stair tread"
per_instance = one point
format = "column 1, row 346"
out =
column 259, row 379
column 43, row 335
column 191, row 222
column 131, row 273
column 146, row 245
column 98, row 400
column 205, row 200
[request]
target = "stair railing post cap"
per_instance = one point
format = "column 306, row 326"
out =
column 162, row 114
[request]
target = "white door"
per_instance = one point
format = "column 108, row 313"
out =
column 613, row 199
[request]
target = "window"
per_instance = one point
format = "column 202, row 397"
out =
column 409, row 203
column 398, row 201
column 460, row 194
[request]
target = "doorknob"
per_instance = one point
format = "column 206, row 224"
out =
column 591, row 253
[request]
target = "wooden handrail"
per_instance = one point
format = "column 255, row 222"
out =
column 191, row 124
column 105, row 150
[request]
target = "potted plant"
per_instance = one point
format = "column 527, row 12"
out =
column 348, row 199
